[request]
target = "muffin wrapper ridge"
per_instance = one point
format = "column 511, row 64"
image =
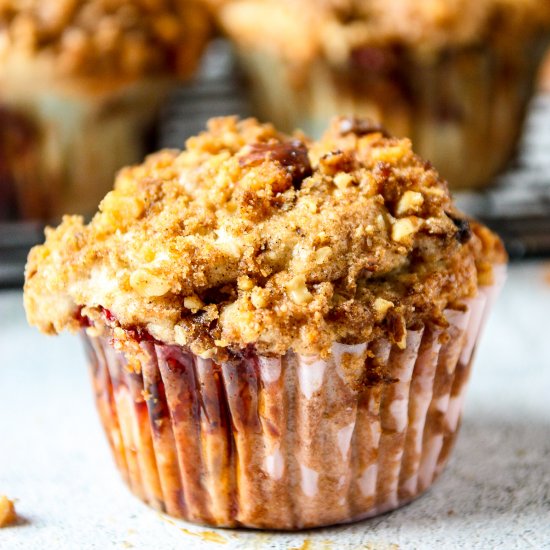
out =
column 286, row 442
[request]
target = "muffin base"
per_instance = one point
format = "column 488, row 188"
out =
column 287, row 442
column 461, row 107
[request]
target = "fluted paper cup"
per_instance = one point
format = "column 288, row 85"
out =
column 288, row 442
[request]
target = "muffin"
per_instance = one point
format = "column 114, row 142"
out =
column 280, row 331
column 80, row 84
column 453, row 75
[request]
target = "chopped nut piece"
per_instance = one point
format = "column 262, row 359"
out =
column 7, row 512
column 291, row 155
column 343, row 180
column 147, row 284
column 180, row 335
column 124, row 207
column 323, row 254
column 148, row 254
column 411, row 201
column 259, row 297
column 194, row 303
column 228, row 243
column 392, row 153
column 370, row 229
column 298, row 291
column 403, row 228
column 245, row 283
column 380, row 222
column 310, row 205
column 382, row 306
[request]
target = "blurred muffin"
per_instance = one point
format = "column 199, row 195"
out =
column 280, row 331
column 80, row 84
column 453, row 75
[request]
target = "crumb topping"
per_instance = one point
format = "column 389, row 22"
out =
column 252, row 237
column 341, row 29
column 104, row 37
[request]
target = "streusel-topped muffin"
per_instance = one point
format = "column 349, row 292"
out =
column 82, row 80
column 453, row 75
column 257, row 290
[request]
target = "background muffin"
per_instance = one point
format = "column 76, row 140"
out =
column 80, row 83
column 454, row 75
column 280, row 330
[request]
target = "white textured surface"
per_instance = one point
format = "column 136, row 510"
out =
column 495, row 494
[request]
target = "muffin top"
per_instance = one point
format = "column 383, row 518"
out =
column 121, row 38
column 252, row 237
column 335, row 28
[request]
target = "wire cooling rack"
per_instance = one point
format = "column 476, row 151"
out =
column 517, row 206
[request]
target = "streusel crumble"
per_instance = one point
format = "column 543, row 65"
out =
column 253, row 237
column 100, row 37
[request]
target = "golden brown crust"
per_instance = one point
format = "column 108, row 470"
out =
column 335, row 28
column 93, row 38
column 251, row 237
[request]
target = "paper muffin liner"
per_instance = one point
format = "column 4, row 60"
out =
column 288, row 442
column 60, row 148
column 458, row 105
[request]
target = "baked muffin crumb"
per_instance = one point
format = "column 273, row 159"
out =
column 7, row 512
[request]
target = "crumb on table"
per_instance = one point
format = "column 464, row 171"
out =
column 7, row 512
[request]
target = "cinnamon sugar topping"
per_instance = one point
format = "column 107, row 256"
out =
column 252, row 237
